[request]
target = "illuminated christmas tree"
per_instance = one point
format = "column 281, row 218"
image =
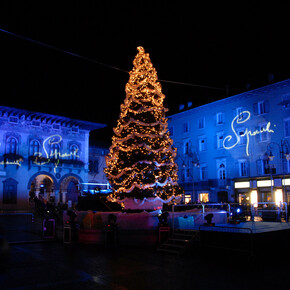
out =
column 141, row 159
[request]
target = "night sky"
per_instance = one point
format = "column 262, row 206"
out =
column 233, row 46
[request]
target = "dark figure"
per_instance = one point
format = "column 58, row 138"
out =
column 163, row 219
column 208, row 219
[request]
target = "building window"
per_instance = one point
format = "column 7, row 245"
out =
column 286, row 101
column 221, row 169
column 75, row 129
column 220, row 140
column 261, row 107
column 239, row 113
column 9, row 191
column 219, row 118
column 11, row 145
column 94, row 166
column 185, row 127
column 288, row 166
column 74, row 152
column 201, row 123
column 35, row 123
column 183, row 175
column 13, row 120
column 222, row 172
column 188, row 174
column 243, row 138
column 186, row 147
column 263, row 136
column 54, row 151
column 203, row 197
column 202, row 144
column 34, row 148
column 203, row 172
column 287, row 127
column 262, row 165
column 56, row 126
column 243, row 168
column 187, row 198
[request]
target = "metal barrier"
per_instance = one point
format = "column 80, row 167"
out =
column 269, row 211
column 202, row 206
column 232, row 238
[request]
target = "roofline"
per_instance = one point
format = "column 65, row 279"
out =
column 49, row 118
column 248, row 93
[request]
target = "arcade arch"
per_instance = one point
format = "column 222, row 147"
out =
column 43, row 187
column 69, row 188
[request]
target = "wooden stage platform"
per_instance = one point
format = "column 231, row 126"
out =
column 250, row 227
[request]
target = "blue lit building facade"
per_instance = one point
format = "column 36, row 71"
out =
column 236, row 149
column 41, row 155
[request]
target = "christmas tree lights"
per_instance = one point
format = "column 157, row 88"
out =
column 140, row 163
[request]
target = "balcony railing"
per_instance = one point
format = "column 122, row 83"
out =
column 40, row 161
column 207, row 184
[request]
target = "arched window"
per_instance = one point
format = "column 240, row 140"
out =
column 74, row 152
column 10, row 191
column 11, row 145
column 54, row 151
column 34, row 148
column 222, row 172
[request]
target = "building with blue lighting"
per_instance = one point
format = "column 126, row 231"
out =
column 42, row 155
column 236, row 149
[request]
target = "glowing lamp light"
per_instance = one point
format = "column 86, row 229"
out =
column 287, row 156
column 278, row 197
column 254, row 198
column 271, row 156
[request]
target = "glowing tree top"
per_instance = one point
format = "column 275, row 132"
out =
column 141, row 159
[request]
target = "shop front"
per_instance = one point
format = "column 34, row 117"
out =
column 275, row 189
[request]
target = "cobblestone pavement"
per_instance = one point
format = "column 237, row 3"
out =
column 57, row 266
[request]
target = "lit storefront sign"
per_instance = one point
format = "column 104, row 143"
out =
column 286, row 181
column 243, row 184
column 236, row 138
column 265, row 183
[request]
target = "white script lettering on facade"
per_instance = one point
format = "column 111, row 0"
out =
column 54, row 155
column 236, row 138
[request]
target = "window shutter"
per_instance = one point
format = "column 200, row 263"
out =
column 259, row 167
column 257, row 137
column 255, row 108
column 287, row 128
column 267, row 106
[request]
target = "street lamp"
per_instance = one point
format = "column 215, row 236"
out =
column 283, row 148
column 189, row 160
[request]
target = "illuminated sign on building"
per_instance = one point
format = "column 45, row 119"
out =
column 54, row 155
column 236, row 138
column 243, row 184
column 15, row 162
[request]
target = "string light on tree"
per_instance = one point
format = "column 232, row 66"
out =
column 140, row 163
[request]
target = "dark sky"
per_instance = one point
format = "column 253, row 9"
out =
column 233, row 44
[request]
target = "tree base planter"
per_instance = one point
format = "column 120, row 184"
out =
column 90, row 236
column 150, row 203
